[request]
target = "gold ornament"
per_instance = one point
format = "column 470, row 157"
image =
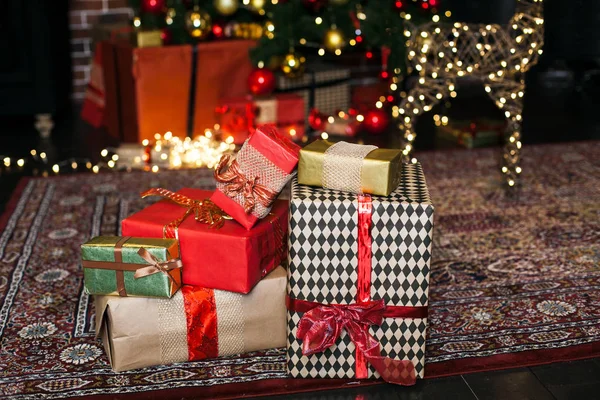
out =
column 293, row 65
column 170, row 16
column 258, row 6
column 269, row 29
column 226, row 7
column 334, row 39
column 198, row 23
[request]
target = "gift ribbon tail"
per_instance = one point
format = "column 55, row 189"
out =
column 398, row 372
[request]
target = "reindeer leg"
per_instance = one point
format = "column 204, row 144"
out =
column 421, row 98
column 508, row 96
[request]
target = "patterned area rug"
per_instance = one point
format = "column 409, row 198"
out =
column 515, row 281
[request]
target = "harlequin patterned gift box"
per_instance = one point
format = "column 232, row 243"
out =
column 359, row 281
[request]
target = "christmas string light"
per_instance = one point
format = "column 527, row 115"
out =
column 497, row 56
column 203, row 151
column 170, row 152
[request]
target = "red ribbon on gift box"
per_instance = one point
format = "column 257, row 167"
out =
column 205, row 211
column 322, row 324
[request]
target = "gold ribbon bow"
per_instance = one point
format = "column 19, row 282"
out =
column 155, row 265
column 229, row 173
column 205, row 211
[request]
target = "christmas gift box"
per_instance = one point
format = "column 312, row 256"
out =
column 197, row 323
column 250, row 183
column 324, row 87
column 149, row 90
column 358, row 272
column 217, row 253
column 350, row 167
column 238, row 117
column 470, row 134
column 130, row 266
column 338, row 124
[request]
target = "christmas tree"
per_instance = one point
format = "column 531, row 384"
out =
column 320, row 27
column 289, row 31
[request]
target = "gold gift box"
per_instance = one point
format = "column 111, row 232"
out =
column 380, row 173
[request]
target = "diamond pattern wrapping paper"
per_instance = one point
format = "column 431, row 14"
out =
column 324, row 87
column 323, row 260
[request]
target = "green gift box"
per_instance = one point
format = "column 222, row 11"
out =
column 129, row 266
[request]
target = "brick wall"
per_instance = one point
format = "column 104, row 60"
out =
column 82, row 15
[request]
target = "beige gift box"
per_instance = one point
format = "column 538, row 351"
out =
column 140, row 332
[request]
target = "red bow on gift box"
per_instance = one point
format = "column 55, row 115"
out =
column 321, row 326
column 229, row 173
column 205, row 211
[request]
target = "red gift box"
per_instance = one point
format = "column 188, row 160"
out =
column 228, row 258
column 239, row 116
column 247, row 185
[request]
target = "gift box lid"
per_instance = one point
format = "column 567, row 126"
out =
column 163, row 212
column 163, row 249
column 412, row 189
column 270, row 143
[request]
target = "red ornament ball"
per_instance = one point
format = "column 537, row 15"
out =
column 153, row 6
column 218, row 30
column 376, row 121
column 261, row 81
column 317, row 120
column 166, row 35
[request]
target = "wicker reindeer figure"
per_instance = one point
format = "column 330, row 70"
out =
column 496, row 55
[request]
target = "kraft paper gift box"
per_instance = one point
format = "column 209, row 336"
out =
column 350, row 167
column 248, row 184
column 359, row 255
column 229, row 257
column 195, row 324
column 110, row 264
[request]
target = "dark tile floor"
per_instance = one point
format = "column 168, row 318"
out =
column 567, row 380
column 561, row 381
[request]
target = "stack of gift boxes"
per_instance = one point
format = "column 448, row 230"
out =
column 355, row 237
